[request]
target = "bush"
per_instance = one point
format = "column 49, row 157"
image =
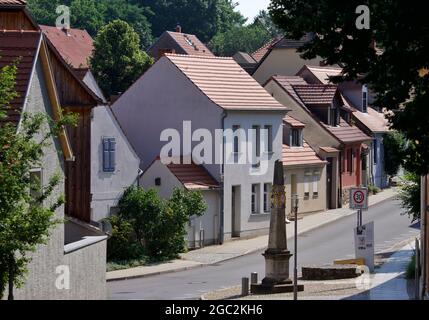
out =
column 151, row 225
column 122, row 244
column 373, row 189
column 409, row 194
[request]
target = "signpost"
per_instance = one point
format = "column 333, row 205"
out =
column 364, row 234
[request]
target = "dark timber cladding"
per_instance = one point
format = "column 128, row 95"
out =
column 77, row 98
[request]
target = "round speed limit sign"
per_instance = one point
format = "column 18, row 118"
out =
column 359, row 198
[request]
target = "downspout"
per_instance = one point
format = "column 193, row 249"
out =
column 222, row 172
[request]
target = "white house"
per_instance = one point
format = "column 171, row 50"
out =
column 114, row 164
column 164, row 178
column 185, row 93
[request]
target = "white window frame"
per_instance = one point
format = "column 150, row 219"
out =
column 267, row 194
column 254, row 205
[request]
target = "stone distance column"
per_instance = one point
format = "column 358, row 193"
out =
column 277, row 254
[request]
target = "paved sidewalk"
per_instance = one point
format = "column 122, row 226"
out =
column 389, row 282
column 237, row 248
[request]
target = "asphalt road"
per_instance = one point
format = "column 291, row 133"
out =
column 319, row 246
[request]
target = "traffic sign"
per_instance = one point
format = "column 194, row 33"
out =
column 359, row 198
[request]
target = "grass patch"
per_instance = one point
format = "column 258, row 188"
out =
column 133, row 263
column 411, row 268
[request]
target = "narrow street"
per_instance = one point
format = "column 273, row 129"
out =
column 322, row 245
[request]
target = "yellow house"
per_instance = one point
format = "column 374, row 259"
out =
column 305, row 172
column 281, row 56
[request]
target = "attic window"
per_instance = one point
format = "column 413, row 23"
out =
column 296, row 139
column 157, row 181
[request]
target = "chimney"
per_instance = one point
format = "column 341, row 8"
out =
column 178, row 28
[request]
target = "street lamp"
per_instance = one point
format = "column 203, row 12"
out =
column 295, row 203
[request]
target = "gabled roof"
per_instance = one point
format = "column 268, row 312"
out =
column 225, row 83
column 74, row 45
column 298, row 156
column 21, row 46
column 189, row 43
column 27, row 47
column 13, row 3
column 316, row 94
column 306, row 95
column 322, row 74
column 373, row 120
column 262, row 51
column 193, row 176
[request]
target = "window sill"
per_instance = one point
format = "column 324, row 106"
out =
column 260, row 214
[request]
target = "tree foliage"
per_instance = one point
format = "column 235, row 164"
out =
column 27, row 208
column 158, row 226
column 91, row 15
column 118, row 60
column 201, row 17
column 410, row 194
column 394, row 152
column 397, row 72
column 240, row 38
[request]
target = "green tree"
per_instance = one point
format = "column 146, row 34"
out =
column 240, row 38
column 409, row 194
column 118, row 60
column 397, row 72
column 394, row 146
column 201, row 17
column 159, row 226
column 27, row 209
column 43, row 11
column 86, row 14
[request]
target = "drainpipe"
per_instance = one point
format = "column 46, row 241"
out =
column 222, row 172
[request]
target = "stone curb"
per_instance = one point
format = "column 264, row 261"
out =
column 253, row 250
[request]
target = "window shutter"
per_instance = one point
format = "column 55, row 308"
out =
column 112, row 152
column 105, row 155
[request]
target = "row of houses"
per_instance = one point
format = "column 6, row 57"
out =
column 327, row 135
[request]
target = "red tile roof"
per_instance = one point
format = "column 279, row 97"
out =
column 294, row 123
column 224, row 82
column 316, row 94
column 75, row 46
column 23, row 46
column 193, row 176
column 262, row 51
column 190, row 44
column 13, row 2
column 329, row 149
column 300, row 156
column 287, row 83
column 348, row 134
column 373, row 120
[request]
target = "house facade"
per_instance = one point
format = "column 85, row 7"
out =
column 114, row 165
column 358, row 99
column 280, row 57
column 305, row 171
column 74, row 246
column 178, row 42
column 195, row 96
column 165, row 178
column 332, row 137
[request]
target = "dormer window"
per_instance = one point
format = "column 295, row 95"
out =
column 364, row 99
column 296, row 139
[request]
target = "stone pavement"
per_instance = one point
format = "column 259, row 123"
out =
column 237, row 248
